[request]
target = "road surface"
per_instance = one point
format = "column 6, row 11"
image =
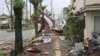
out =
column 6, row 36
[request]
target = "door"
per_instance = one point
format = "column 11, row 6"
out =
column 97, row 24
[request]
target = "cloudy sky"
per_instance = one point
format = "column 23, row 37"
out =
column 57, row 6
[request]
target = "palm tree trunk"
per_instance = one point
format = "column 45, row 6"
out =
column 18, row 31
column 36, row 23
column 12, row 19
column 36, row 28
column 42, row 26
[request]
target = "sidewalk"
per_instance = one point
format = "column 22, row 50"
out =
column 57, row 46
column 62, row 47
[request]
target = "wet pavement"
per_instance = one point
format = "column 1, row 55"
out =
column 7, row 36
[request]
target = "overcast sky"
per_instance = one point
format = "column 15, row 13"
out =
column 57, row 6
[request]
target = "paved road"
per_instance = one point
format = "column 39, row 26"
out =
column 6, row 36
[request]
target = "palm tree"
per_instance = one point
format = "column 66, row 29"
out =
column 18, row 11
column 42, row 21
column 36, row 15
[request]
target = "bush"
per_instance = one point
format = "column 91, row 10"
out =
column 74, row 27
column 3, row 26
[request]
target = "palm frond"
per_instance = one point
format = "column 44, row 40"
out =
column 18, row 3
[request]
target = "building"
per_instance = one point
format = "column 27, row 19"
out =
column 90, row 9
column 65, row 9
column 4, row 21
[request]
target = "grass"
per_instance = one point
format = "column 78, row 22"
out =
column 2, row 53
column 27, row 28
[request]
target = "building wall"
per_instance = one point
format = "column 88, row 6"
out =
column 89, row 25
column 78, row 4
column 28, row 15
column 81, row 3
column 89, row 2
column 89, row 16
column 89, row 22
column 65, row 12
column 71, row 2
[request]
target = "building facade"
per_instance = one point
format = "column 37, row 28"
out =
column 65, row 9
column 4, row 21
column 90, row 9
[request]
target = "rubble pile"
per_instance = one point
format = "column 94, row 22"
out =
column 42, row 49
column 6, row 46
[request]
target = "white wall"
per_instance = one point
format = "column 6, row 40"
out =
column 89, row 22
column 78, row 4
column 89, row 2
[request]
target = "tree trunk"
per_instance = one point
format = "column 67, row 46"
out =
column 36, row 28
column 18, row 31
column 42, row 26
column 36, row 22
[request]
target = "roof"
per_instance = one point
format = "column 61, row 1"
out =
column 45, row 14
column 4, row 16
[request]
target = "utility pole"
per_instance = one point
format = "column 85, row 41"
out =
column 30, row 15
column 51, row 9
column 30, row 10
column 7, row 6
column 11, row 17
column 52, row 15
column 26, row 14
column 3, row 9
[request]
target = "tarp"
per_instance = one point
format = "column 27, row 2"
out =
column 39, row 38
column 49, row 21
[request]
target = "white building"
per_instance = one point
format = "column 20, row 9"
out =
column 90, row 9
